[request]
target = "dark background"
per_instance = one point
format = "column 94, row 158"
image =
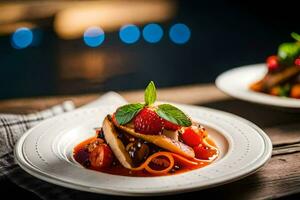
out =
column 225, row 34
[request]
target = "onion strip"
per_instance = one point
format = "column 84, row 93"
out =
column 186, row 161
column 145, row 165
column 171, row 157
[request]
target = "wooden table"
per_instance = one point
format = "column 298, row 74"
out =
column 280, row 177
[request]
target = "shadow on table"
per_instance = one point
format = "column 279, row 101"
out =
column 263, row 116
column 243, row 189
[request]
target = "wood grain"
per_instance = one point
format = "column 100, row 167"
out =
column 278, row 178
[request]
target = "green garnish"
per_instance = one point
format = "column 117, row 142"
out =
column 296, row 36
column 150, row 94
column 173, row 114
column 284, row 90
column 288, row 52
column 126, row 113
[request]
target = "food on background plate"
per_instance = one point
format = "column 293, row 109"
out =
column 147, row 139
column 283, row 76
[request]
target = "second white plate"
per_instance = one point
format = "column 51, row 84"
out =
column 236, row 82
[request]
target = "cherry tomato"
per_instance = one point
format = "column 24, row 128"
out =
column 204, row 152
column 191, row 137
column 272, row 63
column 101, row 157
column 297, row 62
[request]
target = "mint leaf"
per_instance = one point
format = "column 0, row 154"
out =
column 150, row 93
column 126, row 113
column 288, row 51
column 173, row 114
column 296, row 36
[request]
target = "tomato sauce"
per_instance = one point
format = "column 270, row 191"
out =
column 81, row 155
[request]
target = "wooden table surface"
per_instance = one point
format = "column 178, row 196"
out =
column 280, row 177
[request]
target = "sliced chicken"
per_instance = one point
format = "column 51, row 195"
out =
column 116, row 145
column 162, row 141
column 271, row 80
column 171, row 134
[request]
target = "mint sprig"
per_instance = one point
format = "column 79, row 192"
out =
column 168, row 112
column 150, row 94
column 173, row 114
column 296, row 36
column 287, row 52
column 126, row 113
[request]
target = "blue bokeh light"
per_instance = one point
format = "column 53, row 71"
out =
column 129, row 33
column 93, row 36
column 22, row 38
column 180, row 33
column 153, row 33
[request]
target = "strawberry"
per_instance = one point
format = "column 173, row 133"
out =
column 148, row 122
column 170, row 126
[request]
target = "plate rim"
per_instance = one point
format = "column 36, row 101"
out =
column 269, row 100
column 260, row 162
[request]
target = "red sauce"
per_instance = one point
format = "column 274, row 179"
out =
column 81, row 156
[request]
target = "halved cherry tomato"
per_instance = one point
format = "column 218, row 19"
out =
column 191, row 137
column 101, row 157
column 204, row 152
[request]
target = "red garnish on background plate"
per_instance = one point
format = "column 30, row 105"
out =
column 272, row 63
column 297, row 62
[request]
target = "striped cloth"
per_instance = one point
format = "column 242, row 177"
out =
column 11, row 129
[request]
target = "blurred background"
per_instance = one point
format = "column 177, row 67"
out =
column 72, row 47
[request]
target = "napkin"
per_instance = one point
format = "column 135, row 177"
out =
column 12, row 127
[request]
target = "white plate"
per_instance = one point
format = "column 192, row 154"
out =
column 236, row 82
column 46, row 152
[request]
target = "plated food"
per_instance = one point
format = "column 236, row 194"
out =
column 47, row 152
column 147, row 139
column 283, row 72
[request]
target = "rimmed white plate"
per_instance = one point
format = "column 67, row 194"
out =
column 236, row 82
column 46, row 151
